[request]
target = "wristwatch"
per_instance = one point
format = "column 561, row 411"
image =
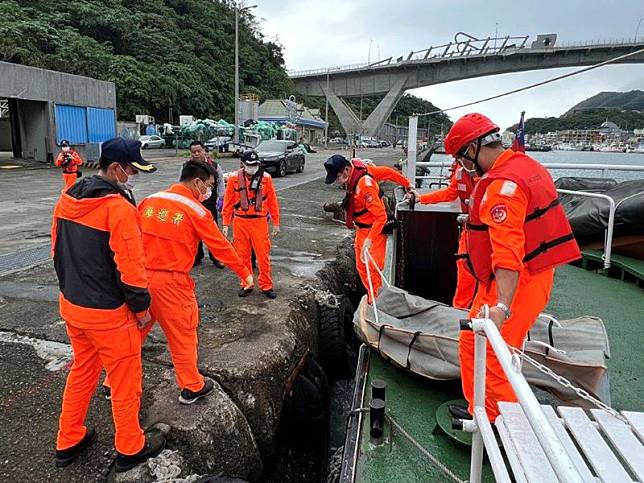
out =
column 505, row 309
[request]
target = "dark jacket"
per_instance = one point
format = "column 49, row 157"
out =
column 98, row 255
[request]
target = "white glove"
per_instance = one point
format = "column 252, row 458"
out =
column 250, row 283
column 365, row 248
column 144, row 320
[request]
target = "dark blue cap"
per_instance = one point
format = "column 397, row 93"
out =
column 126, row 151
column 250, row 157
column 333, row 166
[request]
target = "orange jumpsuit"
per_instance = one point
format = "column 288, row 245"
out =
column 369, row 225
column 465, row 282
column 98, row 256
column 530, row 298
column 250, row 228
column 385, row 173
column 172, row 223
column 70, row 171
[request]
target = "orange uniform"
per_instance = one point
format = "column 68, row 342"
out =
column 465, row 282
column 98, row 257
column 172, row 223
column 369, row 217
column 250, row 225
column 70, row 169
column 385, row 173
column 504, row 211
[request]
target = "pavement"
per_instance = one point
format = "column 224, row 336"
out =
column 249, row 346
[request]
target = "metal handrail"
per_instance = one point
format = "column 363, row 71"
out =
column 604, row 168
column 483, row 437
column 608, row 238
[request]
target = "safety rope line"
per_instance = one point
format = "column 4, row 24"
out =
column 536, row 84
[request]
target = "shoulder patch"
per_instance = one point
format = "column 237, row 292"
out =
column 368, row 197
column 499, row 213
column 508, row 188
column 367, row 181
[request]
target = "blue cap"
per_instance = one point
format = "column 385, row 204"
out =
column 126, row 151
column 250, row 157
column 333, row 166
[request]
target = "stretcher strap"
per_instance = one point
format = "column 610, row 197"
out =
column 381, row 329
column 411, row 344
column 419, row 312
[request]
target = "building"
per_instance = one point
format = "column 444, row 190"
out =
column 308, row 123
column 44, row 107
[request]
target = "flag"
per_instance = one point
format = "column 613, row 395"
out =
column 519, row 139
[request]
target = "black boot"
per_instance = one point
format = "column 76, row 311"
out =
column 189, row 397
column 269, row 293
column 244, row 292
column 154, row 444
column 65, row 457
column 459, row 412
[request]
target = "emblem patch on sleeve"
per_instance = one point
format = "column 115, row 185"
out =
column 499, row 213
column 368, row 198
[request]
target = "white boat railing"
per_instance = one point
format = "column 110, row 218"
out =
column 482, row 434
column 608, row 234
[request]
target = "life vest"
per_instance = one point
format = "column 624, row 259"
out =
column 549, row 241
column 244, row 200
column 359, row 170
column 464, row 186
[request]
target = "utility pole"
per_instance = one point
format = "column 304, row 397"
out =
column 326, row 113
column 237, row 10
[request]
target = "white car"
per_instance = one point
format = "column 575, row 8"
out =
column 148, row 142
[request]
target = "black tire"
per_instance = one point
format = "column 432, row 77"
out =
column 333, row 344
column 280, row 172
column 300, row 168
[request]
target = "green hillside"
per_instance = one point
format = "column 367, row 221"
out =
column 625, row 101
column 591, row 119
column 161, row 54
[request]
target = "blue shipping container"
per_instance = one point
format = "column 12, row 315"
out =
column 101, row 124
column 71, row 124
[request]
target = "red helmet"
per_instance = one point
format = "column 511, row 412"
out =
column 468, row 128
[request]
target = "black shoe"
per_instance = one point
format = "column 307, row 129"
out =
column 65, row 457
column 189, row 397
column 459, row 412
column 218, row 264
column 107, row 393
column 244, row 292
column 154, row 444
column 269, row 293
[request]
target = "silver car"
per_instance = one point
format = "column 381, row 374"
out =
column 148, row 142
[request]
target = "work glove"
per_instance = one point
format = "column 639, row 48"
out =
column 143, row 319
column 276, row 230
column 224, row 230
column 220, row 204
column 365, row 248
column 250, row 283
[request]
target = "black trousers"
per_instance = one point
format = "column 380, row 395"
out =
column 200, row 249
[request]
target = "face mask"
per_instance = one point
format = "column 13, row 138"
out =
column 129, row 183
column 342, row 179
column 251, row 170
column 206, row 195
column 65, row 149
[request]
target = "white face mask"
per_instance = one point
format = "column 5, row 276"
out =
column 130, row 182
column 251, row 170
column 206, row 195
column 65, row 149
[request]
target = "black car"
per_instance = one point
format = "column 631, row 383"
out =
column 280, row 157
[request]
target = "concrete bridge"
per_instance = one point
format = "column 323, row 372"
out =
column 465, row 57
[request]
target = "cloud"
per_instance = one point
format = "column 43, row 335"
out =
column 319, row 34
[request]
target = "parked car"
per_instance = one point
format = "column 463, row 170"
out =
column 369, row 143
column 280, row 157
column 218, row 143
column 384, row 144
column 154, row 141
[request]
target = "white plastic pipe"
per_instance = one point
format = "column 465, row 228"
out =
column 412, row 138
column 552, row 447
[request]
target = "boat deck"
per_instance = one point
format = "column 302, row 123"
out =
column 412, row 401
column 626, row 266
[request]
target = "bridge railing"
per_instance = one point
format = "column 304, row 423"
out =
column 465, row 48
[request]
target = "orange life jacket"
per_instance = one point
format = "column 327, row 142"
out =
column 549, row 241
column 464, row 186
column 359, row 170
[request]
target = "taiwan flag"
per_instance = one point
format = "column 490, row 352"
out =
column 519, row 139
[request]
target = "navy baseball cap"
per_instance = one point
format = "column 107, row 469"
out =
column 250, row 157
column 126, row 151
column 333, row 166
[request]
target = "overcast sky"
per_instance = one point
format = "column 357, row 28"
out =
column 324, row 33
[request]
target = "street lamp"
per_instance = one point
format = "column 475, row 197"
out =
column 237, row 10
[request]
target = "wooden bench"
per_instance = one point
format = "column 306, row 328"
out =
column 603, row 449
